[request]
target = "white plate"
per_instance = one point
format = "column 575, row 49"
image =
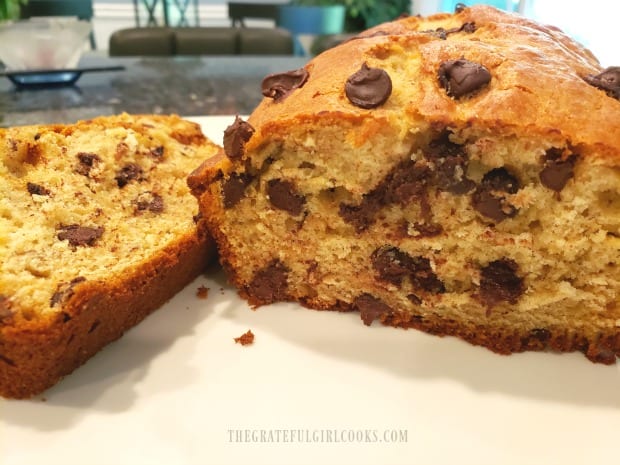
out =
column 178, row 390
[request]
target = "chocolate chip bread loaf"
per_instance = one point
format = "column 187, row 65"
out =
column 97, row 229
column 459, row 174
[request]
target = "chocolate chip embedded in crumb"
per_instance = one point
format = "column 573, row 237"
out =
column 157, row 152
column 80, row 235
column 393, row 265
column 541, row 334
column 425, row 229
column 37, row 189
column 64, row 291
column 279, row 85
column 557, row 171
column 235, row 137
column 128, row 173
column 368, row 87
column 499, row 282
column 283, row 195
column 500, row 179
column 494, row 207
column 461, row 77
column 608, row 80
column 371, row 308
column 86, row 162
column 150, row 201
column 234, row 187
column 488, row 199
column 450, row 163
column 270, row 284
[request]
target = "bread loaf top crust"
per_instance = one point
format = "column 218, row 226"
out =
column 540, row 83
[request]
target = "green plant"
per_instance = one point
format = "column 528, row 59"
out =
column 362, row 14
column 318, row 2
column 9, row 9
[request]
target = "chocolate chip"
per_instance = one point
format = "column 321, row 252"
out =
column 403, row 184
column 270, row 283
column 488, row 199
column 450, row 164
column 279, row 85
column 157, row 152
column 492, row 206
column 557, row 172
column 64, row 291
column 283, row 195
column 500, row 179
column 128, row 173
column 235, row 137
column 608, row 80
column 443, row 34
column 37, row 189
column 393, row 265
column 368, row 87
column 86, row 162
column 461, row 77
column 459, row 7
column 468, row 27
column 414, row 299
column 234, row 187
column 499, row 282
column 597, row 354
column 541, row 334
column 406, row 182
column 80, row 235
column 371, row 308
column 426, row 229
column 150, row 201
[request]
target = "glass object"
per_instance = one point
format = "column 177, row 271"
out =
column 43, row 43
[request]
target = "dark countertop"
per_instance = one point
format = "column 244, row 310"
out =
column 189, row 86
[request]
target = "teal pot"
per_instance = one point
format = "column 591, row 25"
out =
column 312, row 19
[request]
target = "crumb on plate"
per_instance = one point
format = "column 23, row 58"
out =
column 246, row 338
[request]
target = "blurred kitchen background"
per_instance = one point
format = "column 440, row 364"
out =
column 593, row 23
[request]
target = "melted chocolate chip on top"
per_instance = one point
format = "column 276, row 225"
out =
column 368, row 87
column 462, row 77
column 235, row 137
column 459, row 7
column 279, row 85
column 608, row 80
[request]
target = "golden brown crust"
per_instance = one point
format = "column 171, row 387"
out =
column 122, row 176
column 537, row 71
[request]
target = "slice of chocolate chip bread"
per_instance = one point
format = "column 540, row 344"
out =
column 97, row 229
column 459, row 174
